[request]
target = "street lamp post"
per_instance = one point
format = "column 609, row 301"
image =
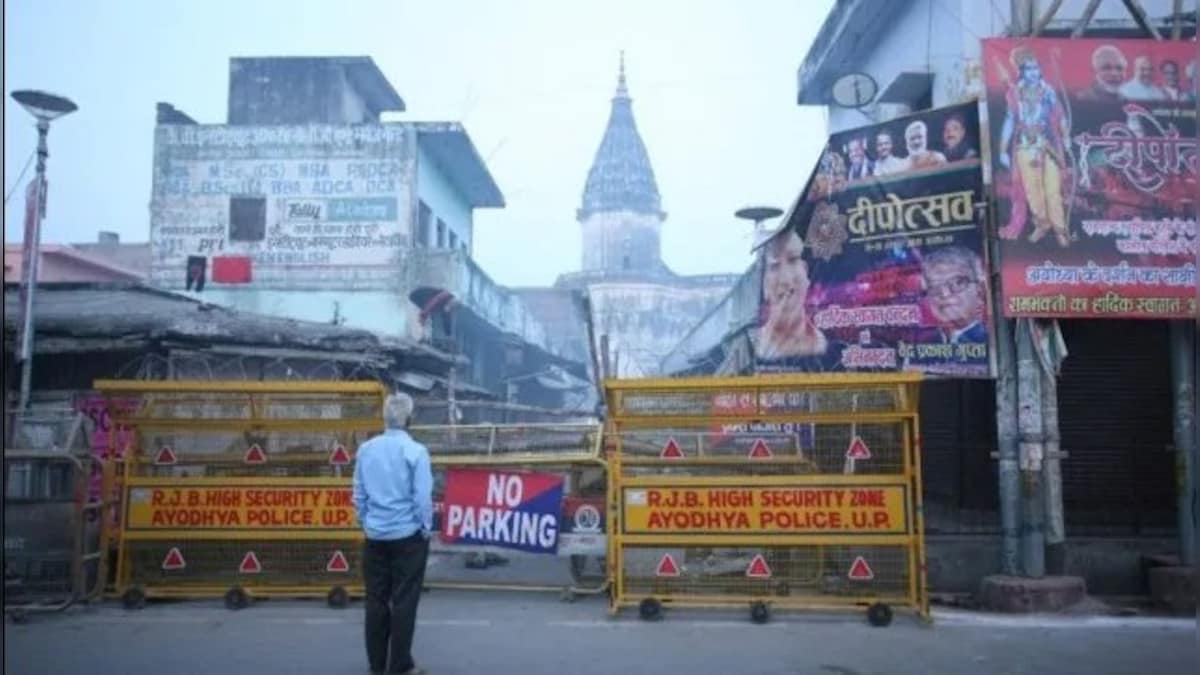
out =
column 758, row 215
column 45, row 108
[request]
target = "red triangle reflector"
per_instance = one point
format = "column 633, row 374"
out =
column 667, row 567
column 759, row 569
column 858, row 449
column 337, row 563
column 255, row 455
column 165, row 455
column 174, row 560
column 860, row 570
column 339, row 456
column 760, row 450
column 671, row 450
column 250, row 564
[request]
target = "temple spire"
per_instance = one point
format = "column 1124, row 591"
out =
column 621, row 178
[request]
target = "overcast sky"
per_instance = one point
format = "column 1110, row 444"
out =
column 713, row 85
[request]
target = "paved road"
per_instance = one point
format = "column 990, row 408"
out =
column 507, row 634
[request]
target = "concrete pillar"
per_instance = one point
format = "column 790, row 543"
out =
column 1006, row 430
column 1056, row 529
column 1032, row 452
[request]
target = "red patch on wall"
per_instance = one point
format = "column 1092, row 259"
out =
column 231, row 269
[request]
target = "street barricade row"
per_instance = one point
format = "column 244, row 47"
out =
column 798, row 491
column 243, row 490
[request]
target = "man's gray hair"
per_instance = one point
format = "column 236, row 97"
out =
column 955, row 255
column 396, row 410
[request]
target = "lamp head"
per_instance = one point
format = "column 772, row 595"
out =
column 43, row 105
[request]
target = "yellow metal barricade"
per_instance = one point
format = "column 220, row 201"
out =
column 240, row 489
column 570, row 451
column 243, row 489
column 797, row 491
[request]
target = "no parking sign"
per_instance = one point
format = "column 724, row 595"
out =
column 506, row 509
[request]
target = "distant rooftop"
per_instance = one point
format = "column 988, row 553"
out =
column 308, row 90
column 448, row 144
column 62, row 263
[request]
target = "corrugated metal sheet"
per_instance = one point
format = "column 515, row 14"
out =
column 116, row 311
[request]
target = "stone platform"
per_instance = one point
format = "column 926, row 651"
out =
column 1000, row 593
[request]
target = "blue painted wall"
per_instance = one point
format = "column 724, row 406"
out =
column 439, row 194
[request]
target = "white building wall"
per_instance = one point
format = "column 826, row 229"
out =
column 645, row 321
column 609, row 236
column 943, row 37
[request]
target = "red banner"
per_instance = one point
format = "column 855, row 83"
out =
column 1096, row 175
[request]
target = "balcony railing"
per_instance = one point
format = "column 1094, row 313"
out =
column 455, row 271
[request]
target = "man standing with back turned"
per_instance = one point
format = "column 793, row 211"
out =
column 393, row 495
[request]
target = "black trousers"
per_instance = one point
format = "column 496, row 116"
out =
column 394, row 572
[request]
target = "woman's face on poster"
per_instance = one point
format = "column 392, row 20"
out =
column 786, row 279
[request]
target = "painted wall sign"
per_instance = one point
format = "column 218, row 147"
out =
column 288, row 199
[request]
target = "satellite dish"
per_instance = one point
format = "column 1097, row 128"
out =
column 854, row 90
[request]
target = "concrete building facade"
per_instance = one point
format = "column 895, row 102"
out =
column 306, row 205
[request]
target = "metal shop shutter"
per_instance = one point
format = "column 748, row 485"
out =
column 1115, row 421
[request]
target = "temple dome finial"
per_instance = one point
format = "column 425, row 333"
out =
column 622, row 89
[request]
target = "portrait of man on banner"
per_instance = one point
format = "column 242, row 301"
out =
column 880, row 265
column 1096, row 171
column 954, row 286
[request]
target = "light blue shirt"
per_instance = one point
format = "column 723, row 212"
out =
column 393, row 487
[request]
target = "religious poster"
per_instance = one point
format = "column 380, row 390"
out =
column 880, row 264
column 1095, row 166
